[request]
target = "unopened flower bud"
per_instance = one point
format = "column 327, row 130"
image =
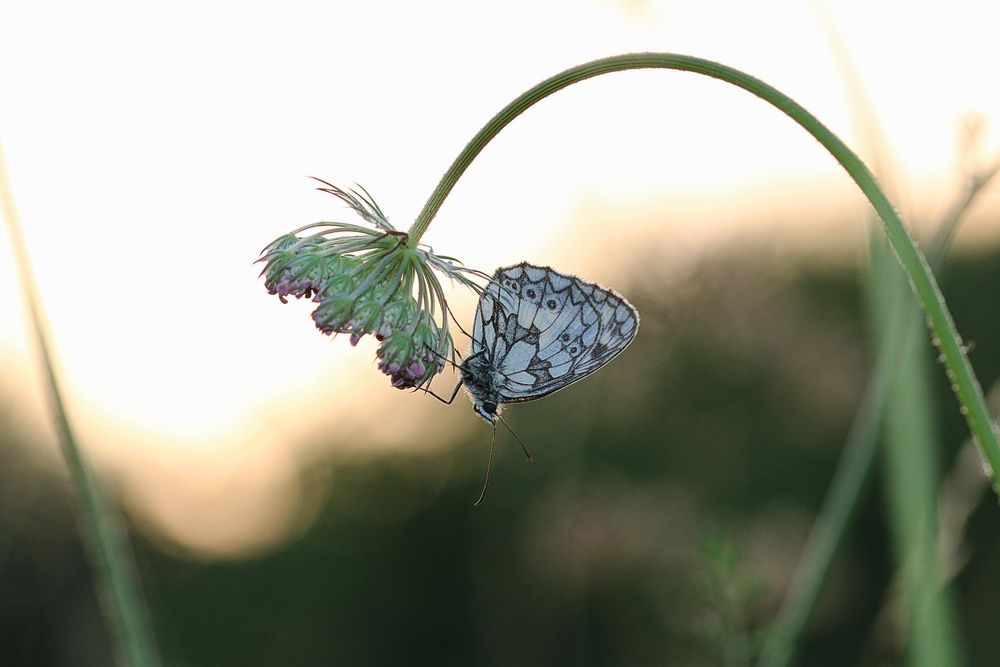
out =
column 333, row 314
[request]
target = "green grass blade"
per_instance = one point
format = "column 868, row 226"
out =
column 854, row 469
column 912, row 470
column 839, row 508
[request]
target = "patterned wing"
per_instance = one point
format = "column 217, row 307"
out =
column 491, row 316
column 545, row 330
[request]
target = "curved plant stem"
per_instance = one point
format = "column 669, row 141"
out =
column 116, row 578
column 944, row 334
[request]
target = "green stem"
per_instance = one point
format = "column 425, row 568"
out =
column 957, row 367
column 116, row 578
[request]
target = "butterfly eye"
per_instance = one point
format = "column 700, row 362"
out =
column 490, row 407
column 551, row 304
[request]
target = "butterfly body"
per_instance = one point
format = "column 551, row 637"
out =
column 537, row 331
column 481, row 380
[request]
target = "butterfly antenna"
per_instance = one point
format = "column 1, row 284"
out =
column 489, row 468
column 455, row 320
column 523, row 448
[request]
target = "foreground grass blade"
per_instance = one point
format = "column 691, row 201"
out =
column 114, row 568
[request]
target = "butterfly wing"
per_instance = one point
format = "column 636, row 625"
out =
column 545, row 330
column 496, row 302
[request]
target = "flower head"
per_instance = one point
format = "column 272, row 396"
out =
column 371, row 281
column 295, row 268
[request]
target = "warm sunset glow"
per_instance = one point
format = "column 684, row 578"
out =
column 154, row 152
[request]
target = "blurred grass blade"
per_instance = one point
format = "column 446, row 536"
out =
column 116, row 579
column 835, row 516
column 912, row 468
column 853, row 471
column 912, row 452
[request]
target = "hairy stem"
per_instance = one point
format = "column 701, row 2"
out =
column 944, row 334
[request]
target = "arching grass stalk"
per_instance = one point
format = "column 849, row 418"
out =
column 943, row 332
column 115, row 575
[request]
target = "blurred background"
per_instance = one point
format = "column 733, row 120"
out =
column 287, row 506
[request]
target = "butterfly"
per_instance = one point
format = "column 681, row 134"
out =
column 537, row 331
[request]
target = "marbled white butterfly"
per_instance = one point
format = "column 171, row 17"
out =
column 537, row 331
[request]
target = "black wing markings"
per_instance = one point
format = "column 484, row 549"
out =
column 592, row 345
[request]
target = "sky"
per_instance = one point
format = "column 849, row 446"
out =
column 153, row 150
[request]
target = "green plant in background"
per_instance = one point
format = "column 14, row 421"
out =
column 117, row 581
column 898, row 352
column 729, row 591
column 899, row 395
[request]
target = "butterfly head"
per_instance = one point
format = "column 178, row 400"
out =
column 487, row 410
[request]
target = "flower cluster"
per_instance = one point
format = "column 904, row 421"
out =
column 371, row 281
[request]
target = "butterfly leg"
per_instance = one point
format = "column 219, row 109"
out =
column 444, row 358
column 448, row 401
